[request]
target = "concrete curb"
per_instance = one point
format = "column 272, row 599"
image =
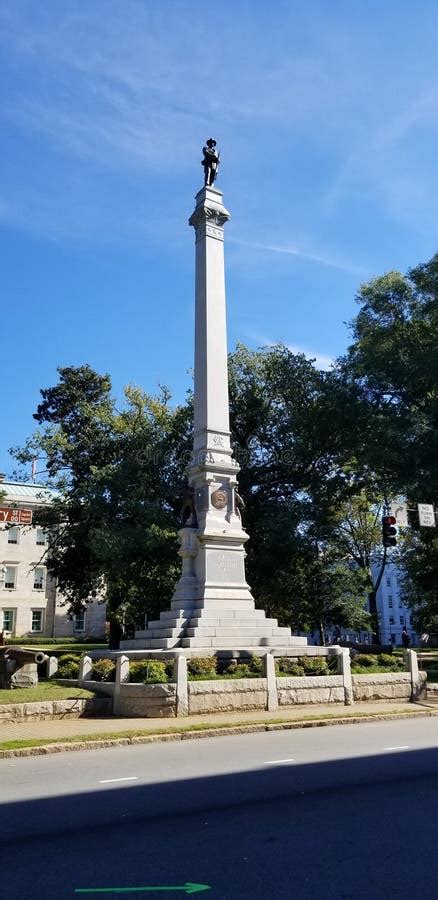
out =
column 218, row 731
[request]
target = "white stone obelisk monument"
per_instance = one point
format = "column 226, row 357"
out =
column 212, row 607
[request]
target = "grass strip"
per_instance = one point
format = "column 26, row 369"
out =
column 203, row 726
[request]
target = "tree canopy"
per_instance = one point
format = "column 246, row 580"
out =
column 393, row 360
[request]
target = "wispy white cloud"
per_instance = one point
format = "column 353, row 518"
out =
column 310, row 256
column 388, row 165
column 322, row 360
column 132, row 87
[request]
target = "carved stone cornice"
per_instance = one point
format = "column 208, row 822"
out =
column 209, row 215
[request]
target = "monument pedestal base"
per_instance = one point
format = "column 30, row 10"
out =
column 212, row 607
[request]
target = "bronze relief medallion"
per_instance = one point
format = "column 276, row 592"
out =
column 219, row 499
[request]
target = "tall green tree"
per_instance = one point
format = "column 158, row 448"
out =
column 295, row 431
column 393, row 360
column 117, row 474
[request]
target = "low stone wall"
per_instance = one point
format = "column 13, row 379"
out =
column 155, row 701
column 226, row 695
column 182, row 697
column 391, row 686
column 56, row 709
column 310, row 689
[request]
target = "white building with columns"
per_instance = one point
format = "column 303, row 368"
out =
column 30, row 602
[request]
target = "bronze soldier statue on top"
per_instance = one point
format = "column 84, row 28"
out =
column 210, row 162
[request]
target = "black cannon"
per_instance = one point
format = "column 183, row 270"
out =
column 13, row 659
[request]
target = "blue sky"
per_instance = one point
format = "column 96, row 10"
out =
column 326, row 117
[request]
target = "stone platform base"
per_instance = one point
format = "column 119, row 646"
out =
column 134, row 649
column 211, row 625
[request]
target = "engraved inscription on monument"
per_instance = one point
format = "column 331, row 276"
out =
column 227, row 566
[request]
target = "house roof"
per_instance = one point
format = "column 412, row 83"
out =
column 22, row 492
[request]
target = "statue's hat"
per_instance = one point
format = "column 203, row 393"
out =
column 211, row 141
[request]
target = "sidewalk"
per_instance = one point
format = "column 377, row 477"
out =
column 97, row 732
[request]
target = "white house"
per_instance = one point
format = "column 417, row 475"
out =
column 30, row 603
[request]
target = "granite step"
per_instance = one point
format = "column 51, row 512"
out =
column 218, row 603
column 236, row 643
column 237, row 633
column 236, row 624
column 163, row 623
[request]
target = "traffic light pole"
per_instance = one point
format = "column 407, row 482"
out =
column 372, row 598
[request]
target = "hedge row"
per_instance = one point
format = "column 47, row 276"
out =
column 154, row 671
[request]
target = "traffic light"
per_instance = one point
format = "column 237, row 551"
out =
column 389, row 532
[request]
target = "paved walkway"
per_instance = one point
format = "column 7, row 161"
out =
column 60, row 729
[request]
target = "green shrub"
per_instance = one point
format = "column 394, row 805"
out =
column 148, row 671
column 202, row 665
column 315, row 665
column 364, row 661
column 256, row 665
column 390, row 662
column 103, row 670
column 68, row 666
column 237, row 669
column 363, row 670
column 287, row 665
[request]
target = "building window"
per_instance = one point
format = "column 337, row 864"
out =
column 8, row 620
column 390, row 600
column 402, row 620
column 392, row 638
column 13, row 535
column 10, row 577
column 41, row 537
column 79, row 621
column 37, row 620
column 391, row 620
column 38, row 579
column 388, row 581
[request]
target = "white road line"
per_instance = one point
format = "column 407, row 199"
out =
column 111, row 780
column 403, row 747
column 274, row 762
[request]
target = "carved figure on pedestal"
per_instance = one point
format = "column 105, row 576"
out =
column 188, row 511
column 239, row 504
column 210, row 162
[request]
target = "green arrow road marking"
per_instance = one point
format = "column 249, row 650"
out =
column 189, row 888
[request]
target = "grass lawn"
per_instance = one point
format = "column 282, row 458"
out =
column 45, row 690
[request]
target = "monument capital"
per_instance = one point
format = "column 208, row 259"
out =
column 209, row 212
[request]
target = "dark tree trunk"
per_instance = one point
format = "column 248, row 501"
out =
column 115, row 635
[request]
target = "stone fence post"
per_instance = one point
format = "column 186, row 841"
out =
column 411, row 663
column 122, row 675
column 51, row 666
column 182, row 691
column 85, row 666
column 272, row 693
column 344, row 669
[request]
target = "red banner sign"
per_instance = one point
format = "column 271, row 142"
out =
column 15, row 516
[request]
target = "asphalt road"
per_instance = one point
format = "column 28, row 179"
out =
column 335, row 812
